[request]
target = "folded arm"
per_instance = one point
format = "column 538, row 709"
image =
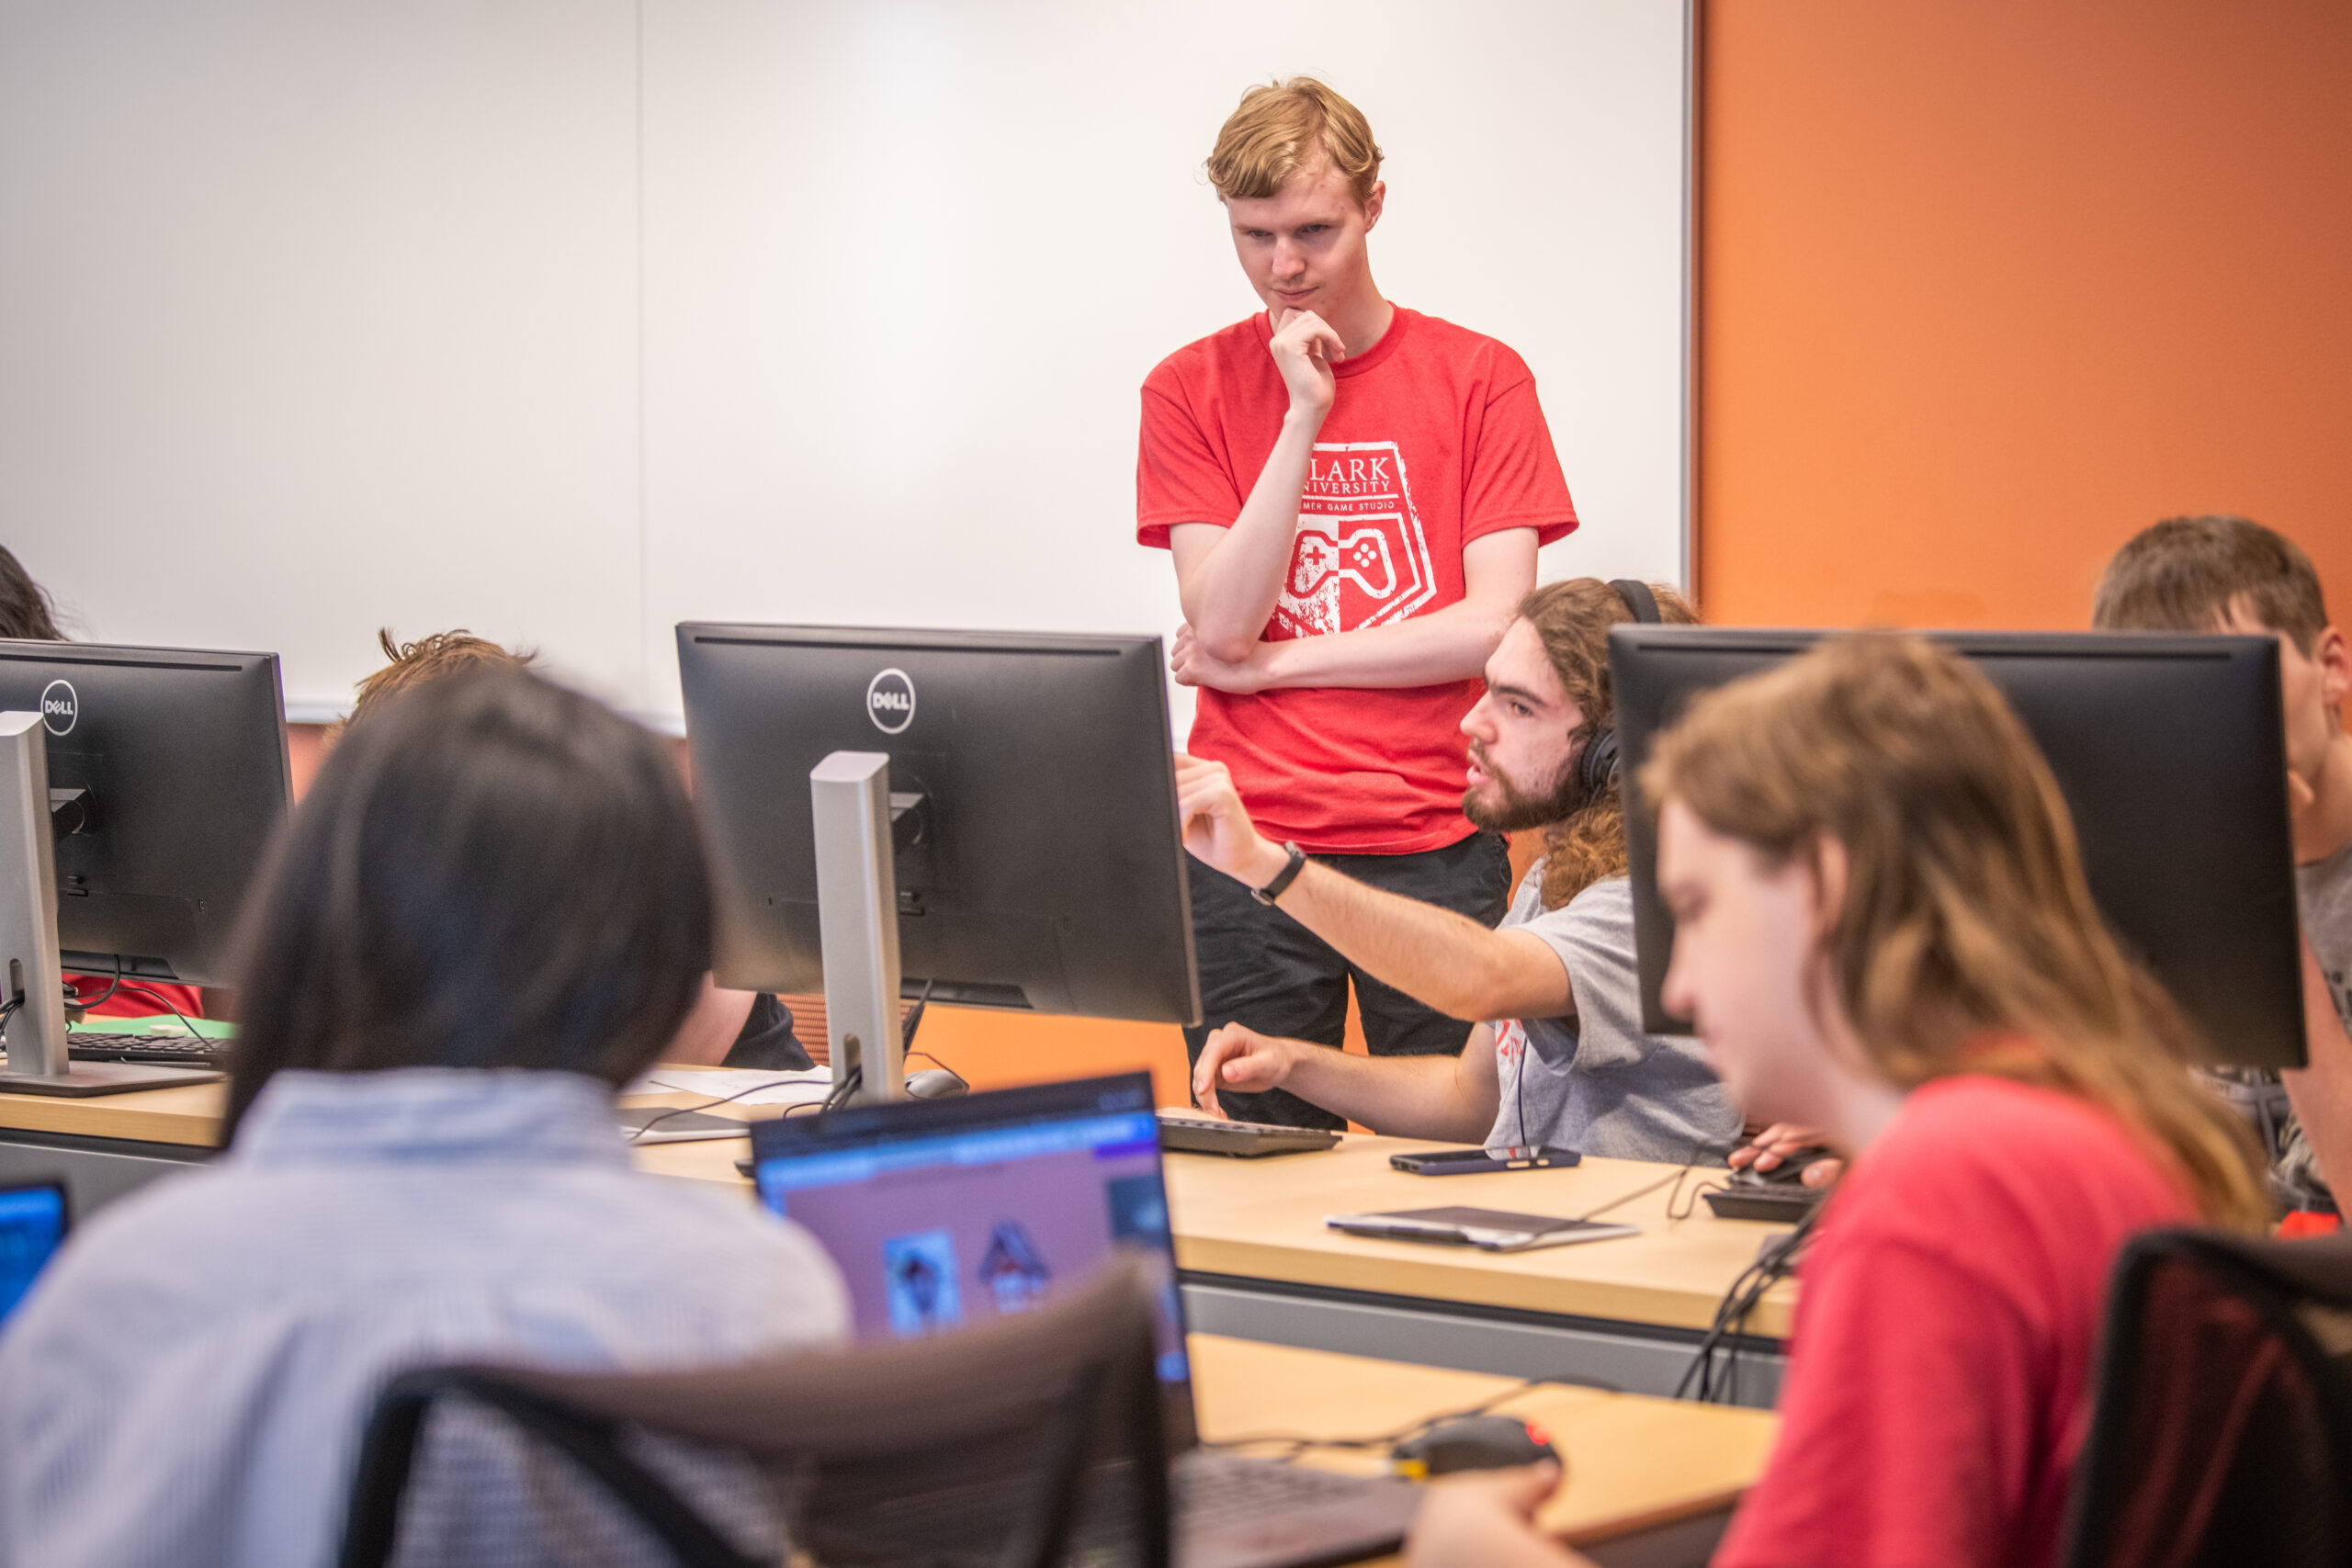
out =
column 1450, row 644
column 1228, row 578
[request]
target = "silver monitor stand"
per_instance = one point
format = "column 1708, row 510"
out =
column 857, row 921
column 36, row 1061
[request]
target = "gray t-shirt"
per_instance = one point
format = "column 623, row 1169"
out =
column 2323, row 892
column 1600, row 1085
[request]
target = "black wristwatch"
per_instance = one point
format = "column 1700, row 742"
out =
column 1282, row 878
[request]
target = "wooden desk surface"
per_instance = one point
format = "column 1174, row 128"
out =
column 1631, row 1462
column 190, row 1115
column 1260, row 1219
column 1264, row 1219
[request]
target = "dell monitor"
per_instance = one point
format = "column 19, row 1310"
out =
column 973, row 817
column 160, row 777
column 2170, row 752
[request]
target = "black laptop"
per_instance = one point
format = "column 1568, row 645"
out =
column 943, row 1212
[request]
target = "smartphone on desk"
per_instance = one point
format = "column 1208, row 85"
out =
column 1465, row 1162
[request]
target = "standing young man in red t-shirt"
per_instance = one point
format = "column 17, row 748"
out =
column 1354, row 494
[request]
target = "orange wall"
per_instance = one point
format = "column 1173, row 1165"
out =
column 1988, row 287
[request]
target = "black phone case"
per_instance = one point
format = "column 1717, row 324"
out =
column 1436, row 1165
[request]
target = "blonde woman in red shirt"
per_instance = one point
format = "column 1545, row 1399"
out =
column 1884, row 932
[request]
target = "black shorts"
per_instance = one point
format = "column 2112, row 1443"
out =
column 1262, row 969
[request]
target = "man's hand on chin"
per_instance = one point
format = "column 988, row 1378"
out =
column 1193, row 665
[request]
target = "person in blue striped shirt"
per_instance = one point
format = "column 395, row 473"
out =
column 489, row 912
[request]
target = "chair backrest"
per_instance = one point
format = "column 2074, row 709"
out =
column 1014, row 1445
column 2221, row 1428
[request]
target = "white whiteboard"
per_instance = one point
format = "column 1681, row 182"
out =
column 568, row 320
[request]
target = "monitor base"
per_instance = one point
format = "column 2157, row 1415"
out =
column 83, row 1079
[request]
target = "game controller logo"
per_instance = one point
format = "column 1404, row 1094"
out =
column 1360, row 558
column 60, row 704
column 890, row 701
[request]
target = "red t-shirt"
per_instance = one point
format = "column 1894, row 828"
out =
column 139, row 1002
column 1434, row 439
column 1939, row 1366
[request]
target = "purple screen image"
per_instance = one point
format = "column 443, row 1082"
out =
column 935, row 1233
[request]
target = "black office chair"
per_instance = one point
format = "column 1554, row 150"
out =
column 2222, row 1431
column 1015, row 1445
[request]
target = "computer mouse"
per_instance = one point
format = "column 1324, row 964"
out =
column 1790, row 1172
column 935, row 1083
column 1472, row 1442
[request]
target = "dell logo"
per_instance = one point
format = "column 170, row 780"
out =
column 890, row 701
column 60, row 706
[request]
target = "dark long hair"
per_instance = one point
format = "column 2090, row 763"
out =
column 492, row 871
column 24, row 608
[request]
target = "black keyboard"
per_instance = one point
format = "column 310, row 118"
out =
column 1232, row 1486
column 168, row 1050
column 1230, row 1512
column 1195, row 1133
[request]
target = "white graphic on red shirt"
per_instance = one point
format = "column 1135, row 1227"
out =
column 1360, row 558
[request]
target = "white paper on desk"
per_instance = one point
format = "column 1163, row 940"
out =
column 806, row 1088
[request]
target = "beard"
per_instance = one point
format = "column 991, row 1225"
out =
column 1501, row 805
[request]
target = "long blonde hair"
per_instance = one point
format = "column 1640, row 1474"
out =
column 1966, row 914
column 1573, row 618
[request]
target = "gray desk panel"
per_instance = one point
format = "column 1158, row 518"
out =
column 96, row 1170
column 1634, row 1357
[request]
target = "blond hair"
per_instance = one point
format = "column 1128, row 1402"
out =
column 2186, row 574
column 1286, row 127
column 1966, row 914
column 1573, row 619
column 427, row 659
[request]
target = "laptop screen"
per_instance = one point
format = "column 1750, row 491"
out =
column 947, row 1212
column 33, row 1227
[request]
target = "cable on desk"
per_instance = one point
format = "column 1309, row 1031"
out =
column 842, row 1093
column 154, row 996
column 85, row 1003
column 653, row 1122
column 1680, row 1174
column 118, row 982
column 1731, row 1318
column 1676, row 1215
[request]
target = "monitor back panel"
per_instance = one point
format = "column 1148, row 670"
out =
column 2170, row 752
column 182, row 752
column 1051, row 873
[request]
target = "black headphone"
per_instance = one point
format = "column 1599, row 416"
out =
column 1596, row 763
